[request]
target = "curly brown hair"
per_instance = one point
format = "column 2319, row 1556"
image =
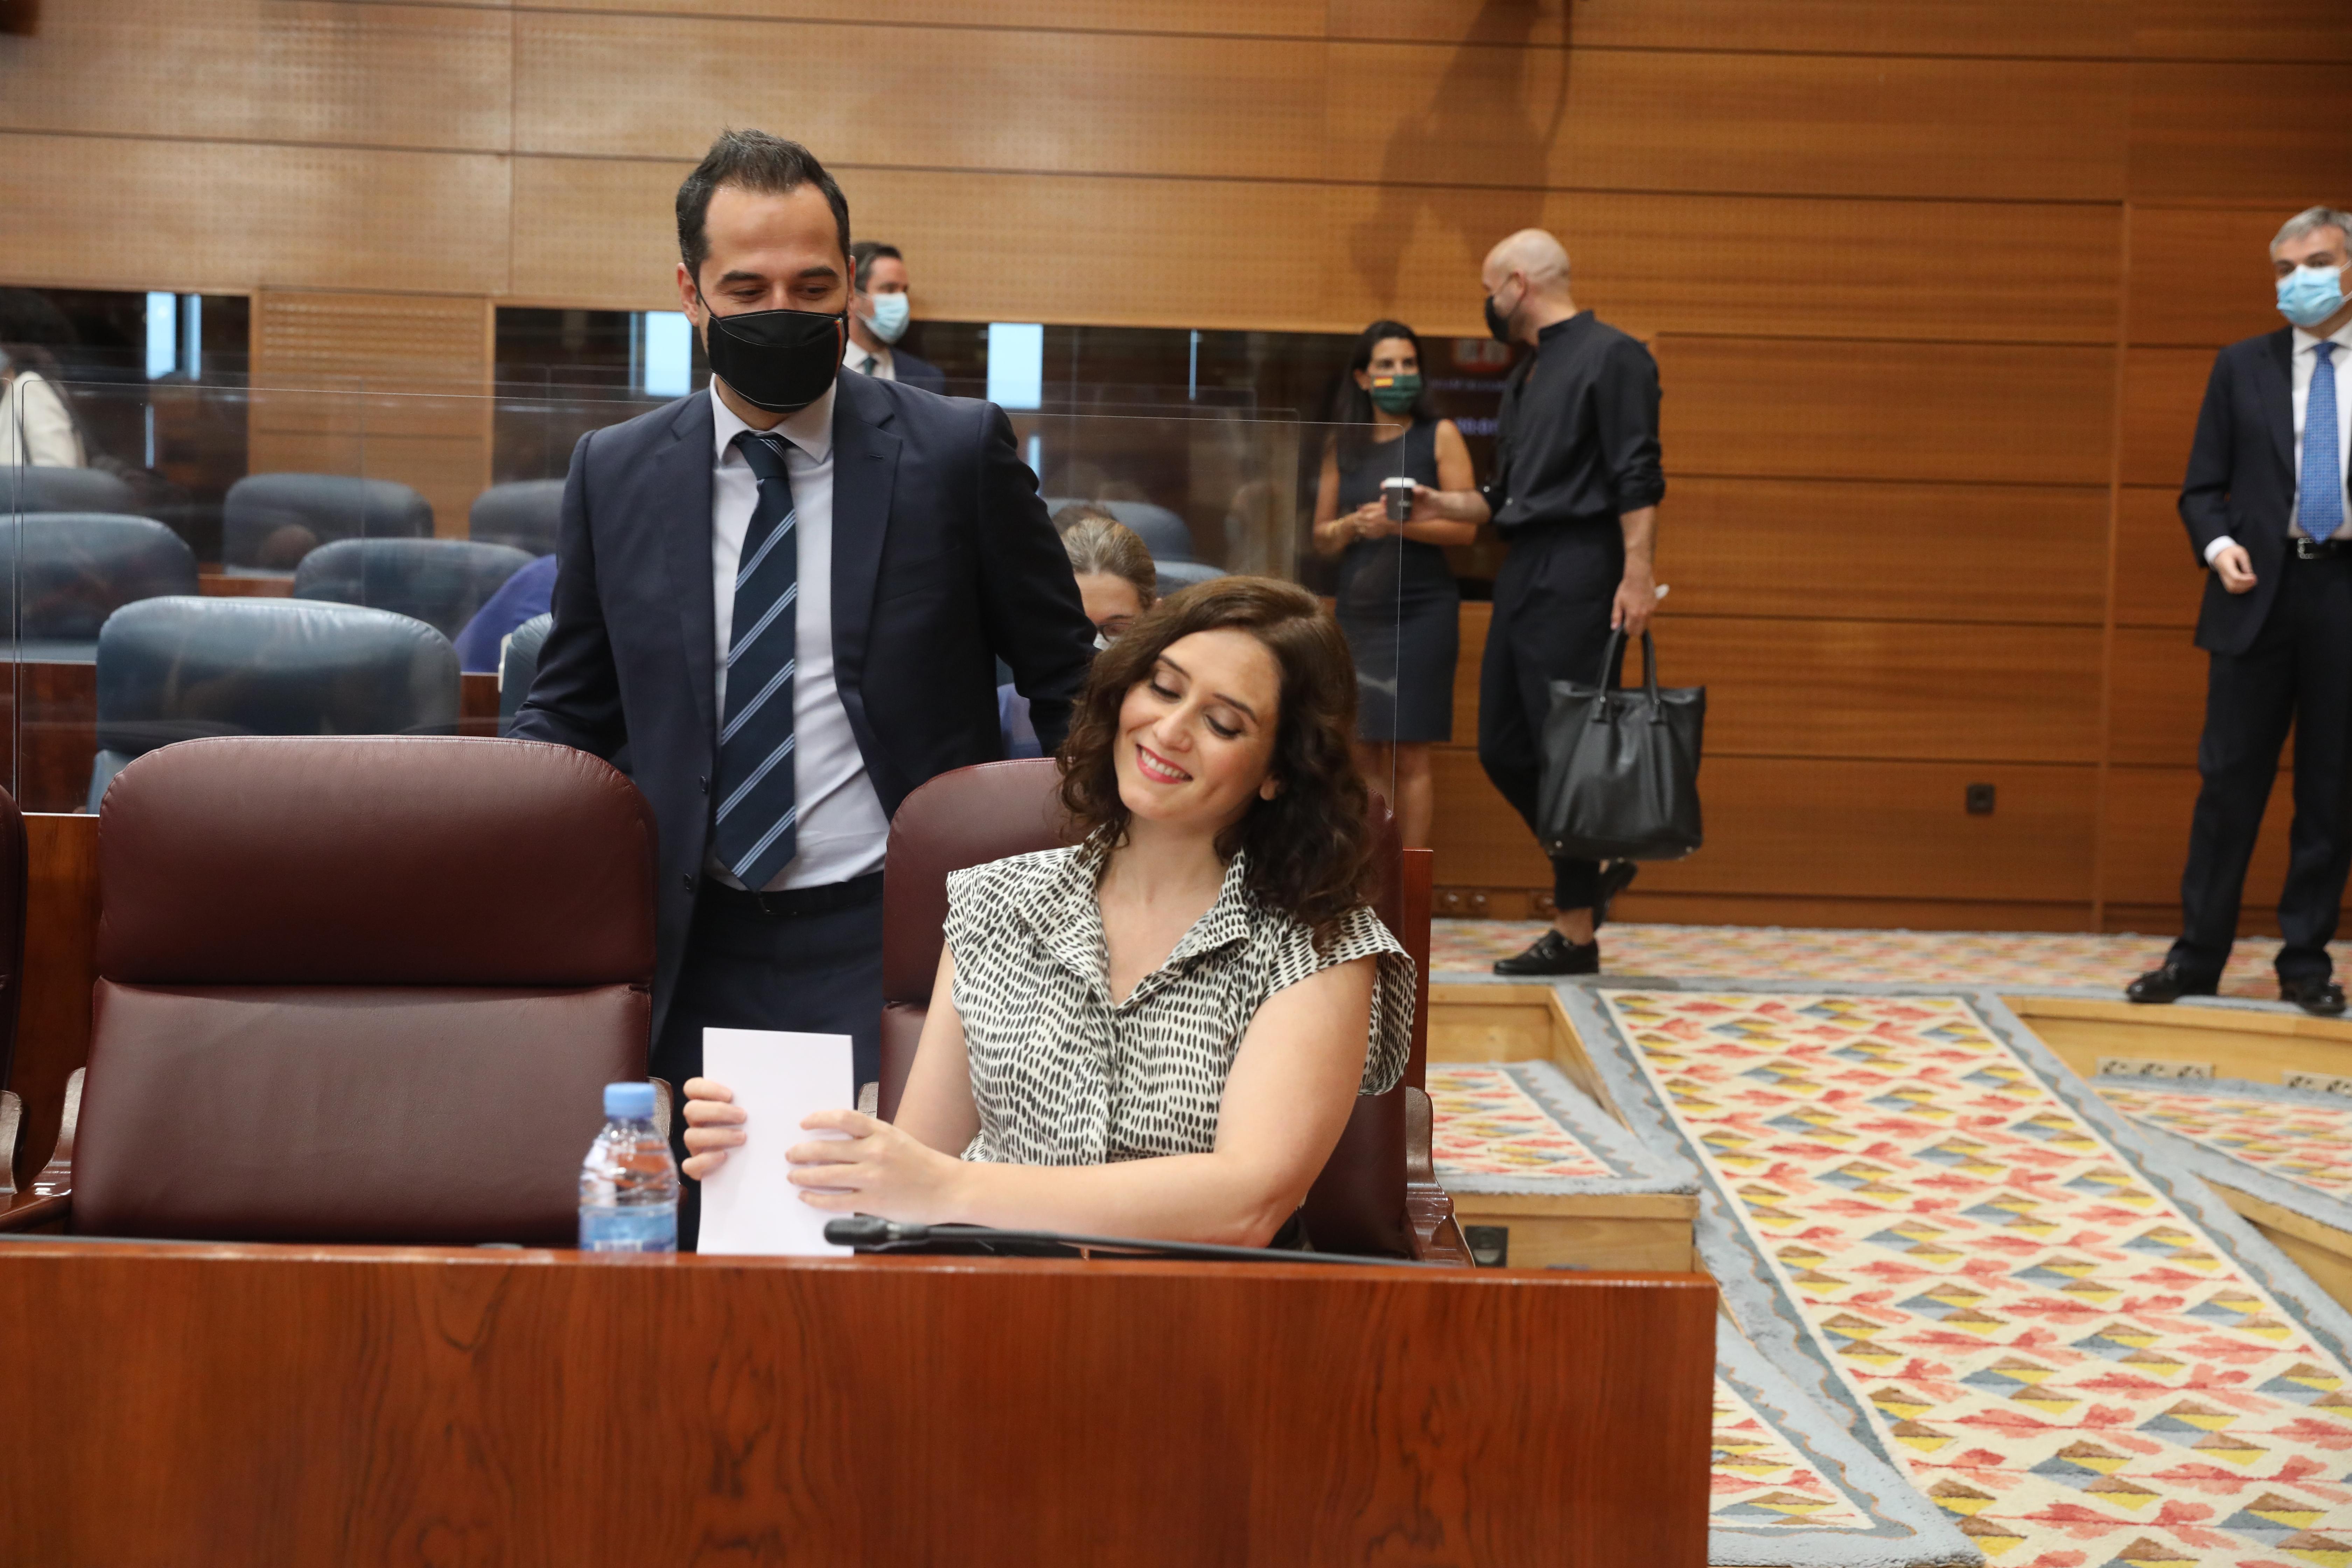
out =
column 1309, row 847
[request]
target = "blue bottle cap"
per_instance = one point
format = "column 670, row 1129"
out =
column 629, row 1101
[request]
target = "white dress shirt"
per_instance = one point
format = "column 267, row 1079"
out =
column 2301, row 364
column 35, row 426
column 842, row 830
column 865, row 362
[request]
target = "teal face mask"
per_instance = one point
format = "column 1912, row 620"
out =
column 2309, row 295
column 1395, row 393
column 890, row 319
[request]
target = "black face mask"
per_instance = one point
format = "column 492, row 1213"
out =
column 781, row 361
column 1498, row 325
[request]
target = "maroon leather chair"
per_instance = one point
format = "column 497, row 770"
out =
column 1377, row 1195
column 358, row 989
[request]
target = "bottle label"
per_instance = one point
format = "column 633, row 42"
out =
column 632, row 1227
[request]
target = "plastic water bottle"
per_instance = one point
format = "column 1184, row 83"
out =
column 629, row 1184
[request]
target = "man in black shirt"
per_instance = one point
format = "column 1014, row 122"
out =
column 1575, row 493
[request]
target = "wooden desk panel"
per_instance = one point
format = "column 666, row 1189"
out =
column 55, row 733
column 286, row 1405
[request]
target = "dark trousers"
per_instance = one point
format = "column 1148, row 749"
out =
column 811, row 974
column 1552, row 601
column 2299, row 670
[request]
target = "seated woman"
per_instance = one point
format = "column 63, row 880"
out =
column 1162, row 1031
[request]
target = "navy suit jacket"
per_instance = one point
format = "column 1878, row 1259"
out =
column 943, row 560
column 913, row 371
column 2242, row 481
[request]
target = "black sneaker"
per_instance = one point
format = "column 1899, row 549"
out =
column 1615, row 878
column 1553, row 954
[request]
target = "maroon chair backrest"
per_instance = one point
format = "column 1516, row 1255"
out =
column 976, row 814
column 360, row 988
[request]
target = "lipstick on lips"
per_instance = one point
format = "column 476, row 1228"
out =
column 1157, row 768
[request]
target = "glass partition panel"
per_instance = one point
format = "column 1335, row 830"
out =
column 363, row 558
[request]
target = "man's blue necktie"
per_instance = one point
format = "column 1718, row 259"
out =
column 754, row 832
column 2320, row 496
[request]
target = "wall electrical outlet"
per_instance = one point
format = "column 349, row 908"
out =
column 2325, row 1083
column 2144, row 1067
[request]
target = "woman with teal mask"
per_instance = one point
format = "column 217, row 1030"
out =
column 1397, row 600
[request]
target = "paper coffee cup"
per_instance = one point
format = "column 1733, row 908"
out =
column 1397, row 495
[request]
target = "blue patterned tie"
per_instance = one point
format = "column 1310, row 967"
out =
column 2320, row 492
column 754, row 833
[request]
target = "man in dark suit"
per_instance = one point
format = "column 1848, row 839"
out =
column 787, row 597
column 2264, row 502
column 878, row 317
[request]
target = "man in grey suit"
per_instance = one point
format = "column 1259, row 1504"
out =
column 787, row 595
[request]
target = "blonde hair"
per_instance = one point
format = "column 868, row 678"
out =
column 1101, row 543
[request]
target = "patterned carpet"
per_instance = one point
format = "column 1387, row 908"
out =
column 2288, row 1146
column 2084, row 1361
column 1522, row 1126
column 1962, row 960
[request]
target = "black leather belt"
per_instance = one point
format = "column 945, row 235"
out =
column 786, row 903
column 2319, row 550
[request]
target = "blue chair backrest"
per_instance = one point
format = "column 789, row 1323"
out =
column 70, row 570
column 523, row 514
column 441, row 581
column 1162, row 531
column 1175, row 574
column 38, row 487
column 178, row 667
column 519, row 665
column 272, row 521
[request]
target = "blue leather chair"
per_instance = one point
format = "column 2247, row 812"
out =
column 1162, row 531
column 179, row 667
column 270, row 521
column 70, row 570
column 519, row 665
column 441, row 581
column 523, row 514
column 35, row 488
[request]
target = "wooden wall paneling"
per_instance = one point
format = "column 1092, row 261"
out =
column 1806, row 265
column 2097, row 28
column 2159, row 582
column 1849, row 914
column 2240, row 133
column 2147, row 814
column 377, row 74
column 1875, row 411
column 231, row 216
column 2201, row 276
column 2242, row 29
column 1088, row 103
column 2162, row 390
column 1281, row 19
column 1804, row 548
column 2157, row 698
column 60, row 968
column 1479, row 840
column 1692, row 120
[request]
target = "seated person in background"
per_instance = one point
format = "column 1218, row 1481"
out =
column 1160, row 1032
column 38, row 427
column 526, row 593
column 1116, row 581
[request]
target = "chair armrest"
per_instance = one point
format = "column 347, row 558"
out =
column 12, row 1123
column 1434, row 1235
column 30, row 1211
column 51, row 1200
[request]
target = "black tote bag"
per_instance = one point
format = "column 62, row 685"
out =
column 1620, row 766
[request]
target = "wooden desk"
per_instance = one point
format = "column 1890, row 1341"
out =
column 179, row 1404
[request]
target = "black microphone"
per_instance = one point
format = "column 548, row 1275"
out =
column 869, row 1233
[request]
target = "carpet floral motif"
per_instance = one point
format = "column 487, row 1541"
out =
column 2308, row 1145
column 2062, row 1357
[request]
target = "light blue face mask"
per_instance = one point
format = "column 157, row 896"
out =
column 2309, row 295
column 888, row 321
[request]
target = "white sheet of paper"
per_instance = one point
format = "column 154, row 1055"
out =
column 750, row 1205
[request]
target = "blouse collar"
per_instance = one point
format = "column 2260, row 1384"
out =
column 1069, row 920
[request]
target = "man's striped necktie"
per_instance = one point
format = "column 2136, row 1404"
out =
column 757, row 812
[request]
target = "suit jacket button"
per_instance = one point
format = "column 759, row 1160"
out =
column 688, row 880
column 704, row 781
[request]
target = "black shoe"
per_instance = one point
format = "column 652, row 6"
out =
column 1615, row 877
column 2318, row 995
column 1553, row 954
column 2168, row 982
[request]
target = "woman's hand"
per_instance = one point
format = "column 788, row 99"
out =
column 1371, row 521
column 880, row 1169
column 714, row 1125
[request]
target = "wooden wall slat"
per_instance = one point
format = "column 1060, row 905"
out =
column 2201, row 276
column 2099, row 28
column 1286, row 18
column 373, row 75
column 2159, row 582
column 1692, row 120
column 2147, row 828
column 1886, row 411
column 231, row 218
column 2162, row 391
column 923, row 97
column 2238, row 133
column 1802, row 548
column 2243, row 29
column 2157, row 695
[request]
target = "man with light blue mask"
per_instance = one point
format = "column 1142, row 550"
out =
column 2265, row 504
column 879, row 315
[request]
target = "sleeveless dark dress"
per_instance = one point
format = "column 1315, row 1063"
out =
column 1398, row 604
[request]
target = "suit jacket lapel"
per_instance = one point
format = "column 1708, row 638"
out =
column 865, row 465
column 680, row 477
column 2278, row 394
